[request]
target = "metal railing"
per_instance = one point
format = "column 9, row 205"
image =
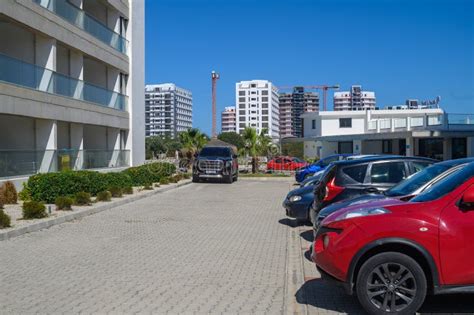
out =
column 461, row 119
column 15, row 163
column 35, row 77
column 86, row 22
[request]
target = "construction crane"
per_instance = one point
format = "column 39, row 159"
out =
column 214, row 77
column 324, row 88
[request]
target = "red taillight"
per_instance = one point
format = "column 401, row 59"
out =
column 332, row 190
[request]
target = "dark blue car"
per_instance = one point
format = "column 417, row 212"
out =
column 320, row 165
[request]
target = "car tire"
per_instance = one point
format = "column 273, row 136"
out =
column 196, row 179
column 388, row 295
column 229, row 179
column 236, row 177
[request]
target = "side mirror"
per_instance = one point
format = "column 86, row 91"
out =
column 467, row 201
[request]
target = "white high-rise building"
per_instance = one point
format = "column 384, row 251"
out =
column 258, row 107
column 71, row 85
column 355, row 99
column 228, row 119
column 168, row 110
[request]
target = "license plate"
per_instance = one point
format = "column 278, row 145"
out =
column 211, row 172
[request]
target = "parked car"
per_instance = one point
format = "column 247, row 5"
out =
column 349, row 179
column 320, row 165
column 285, row 163
column 298, row 201
column 392, row 253
column 216, row 162
column 405, row 190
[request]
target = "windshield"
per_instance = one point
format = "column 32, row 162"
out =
column 417, row 180
column 215, row 152
column 445, row 186
column 298, row 160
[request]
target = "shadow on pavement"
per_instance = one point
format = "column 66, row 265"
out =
column 323, row 295
column 307, row 255
column 453, row 303
column 288, row 222
column 307, row 235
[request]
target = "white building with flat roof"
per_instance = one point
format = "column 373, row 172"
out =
column 413, row 132
column 71, row 85
column 258, row 107
column 228, row 119
column 355, row 99
column 168, row 110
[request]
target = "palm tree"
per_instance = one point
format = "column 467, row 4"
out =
column 193, row 140
column 264, row 143
column 251, row 145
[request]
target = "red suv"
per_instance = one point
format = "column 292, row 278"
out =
column 285, row 163
column 392, row 253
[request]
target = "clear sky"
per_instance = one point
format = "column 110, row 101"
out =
column 399, row 49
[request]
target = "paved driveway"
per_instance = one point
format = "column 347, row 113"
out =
column 202, row 248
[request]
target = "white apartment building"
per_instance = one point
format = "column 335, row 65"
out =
column 71, row 85
column 168, row 110
column 228, row 119
column 258, row 107
column 412, row 132
column 355, row 99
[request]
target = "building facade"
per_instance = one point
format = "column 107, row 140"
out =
column 258, row 107
column 71, row 85
column 355, row 99
column 228, row 120
column 168, row 110
column 292, row 106
column 413, row 132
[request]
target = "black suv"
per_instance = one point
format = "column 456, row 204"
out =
column 216, row 162
column 349, row 179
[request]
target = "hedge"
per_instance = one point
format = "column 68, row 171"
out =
column 49, row 186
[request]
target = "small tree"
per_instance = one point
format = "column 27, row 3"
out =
column 251, row 146
column 232, row 138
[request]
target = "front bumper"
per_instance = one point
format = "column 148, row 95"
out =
column 297, row 210
column 209, row 175
column 334, row 281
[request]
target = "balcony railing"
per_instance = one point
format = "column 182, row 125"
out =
column 15, row 163
column 86, row 22
column 461, row 119
column 32, row 76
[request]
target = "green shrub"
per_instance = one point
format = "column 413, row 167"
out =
column 186, row 175
column 150, row 173
column 128, row 190
column 64, row 203
column 173, row 179
column 104, row 196
column 120, row 180
column 164, row 181
column 148, row 186
column 2, row 202
column 5, row 220
column 116, row 191
column 10, row 195
column 82, row 198
column 25, row 193
column 157, row 185
column 34, row 210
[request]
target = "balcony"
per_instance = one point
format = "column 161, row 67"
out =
column 17, row 72
column 29, row 162
column 86, row 22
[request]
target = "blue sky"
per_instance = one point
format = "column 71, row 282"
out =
column 399, row 49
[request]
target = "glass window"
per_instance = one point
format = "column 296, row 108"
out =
column 445, row 186
column 345, row 122
column 325, row 162
column 215, row 151
column 313, row 124
column 357, row 172
column 419, row 166
column 388, row 172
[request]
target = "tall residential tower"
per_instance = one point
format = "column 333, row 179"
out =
column 292, row 105
column 355, row 99
column 258, row 107
column 228, row 119
column 168, row 110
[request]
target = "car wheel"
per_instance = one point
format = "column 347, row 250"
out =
column 391, row 283
column 236, row 177
column 229, row 179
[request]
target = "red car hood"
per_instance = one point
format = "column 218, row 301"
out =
column 363, row 205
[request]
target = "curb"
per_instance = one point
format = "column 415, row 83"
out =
column 78, row 214
column 266, row 179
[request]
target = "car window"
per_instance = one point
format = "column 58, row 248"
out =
column 356, row 172
column 215, row 151
column 417, row 180
column 297, row 160
column 447, row 185
column 387, row 172
column 419, row 166
column 277, row 161
column 325, row 162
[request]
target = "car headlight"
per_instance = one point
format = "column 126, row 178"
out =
column 295, row 198
column 363, row 212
